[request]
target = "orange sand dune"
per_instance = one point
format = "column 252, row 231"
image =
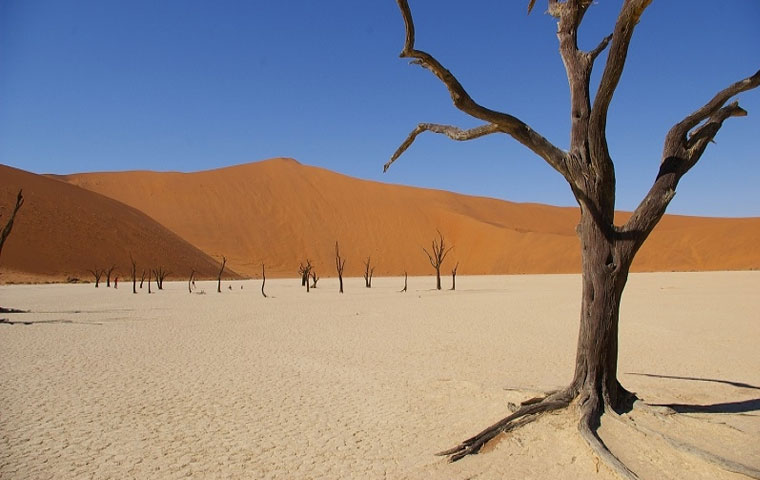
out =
column 280, row 212
column 63, row 230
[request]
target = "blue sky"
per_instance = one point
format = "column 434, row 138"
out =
column 185, row 85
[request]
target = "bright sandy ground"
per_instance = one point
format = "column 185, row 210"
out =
column 369, row 384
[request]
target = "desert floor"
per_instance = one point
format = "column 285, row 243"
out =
column 105, row 384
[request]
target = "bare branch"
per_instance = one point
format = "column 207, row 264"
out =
column 681, row 129
column 509, row 124
column 600, row 48
column 452, row 132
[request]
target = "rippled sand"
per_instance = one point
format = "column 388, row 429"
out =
column 369, row 384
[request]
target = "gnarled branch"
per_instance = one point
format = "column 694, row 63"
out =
column 509, row 124
column 452, row 132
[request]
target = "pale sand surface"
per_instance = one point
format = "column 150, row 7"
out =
column 369, row 384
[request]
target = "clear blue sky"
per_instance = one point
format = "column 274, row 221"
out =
column 94, row 85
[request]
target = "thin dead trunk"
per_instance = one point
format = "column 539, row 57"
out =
column 142, row 279
column 263, row 280
column 369, row 270
column 454, row 277
column 109, row 271
column 149, row 281
column 134, row 273
column 5, row 233
column 314, row 279
column 219, row 278
column 191, row 281
column 340, row 263
column 405, row 277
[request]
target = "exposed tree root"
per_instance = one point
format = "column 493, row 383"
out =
column 717, row 460
column 591, row 407
column 527, row 413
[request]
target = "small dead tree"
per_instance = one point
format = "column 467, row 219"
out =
column 369, row 270
column 97, row 273
column 454, row 276
column 142, row 278
column 438, row 256
column 340, row 263
column 149, row 280
column 191, row 281
column 607, row 249
column 314, row 279
column 134, row 273
column 9, row 225
column 305, row 271
column 263, row 280
column 160, row 275
column 405, row 277
column 108, row 272
column 219, row 278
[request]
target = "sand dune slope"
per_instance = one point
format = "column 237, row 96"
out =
column 63, row 230
column 280, row 212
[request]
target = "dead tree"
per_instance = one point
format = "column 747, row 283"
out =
column 191, row 281
column 263, row 280
column 438, row 256
column 97, row 273
column 142, row 278
column 9, row 225
column 108, row 273
column 340, row 263
column 607, row 250
column 160, row 275
column 149, row 272
column 305, row 271
column 369, row 270
column 314, row 279
column 134, row 273
column 219, row 278
column 404, row 289
column 454, row 276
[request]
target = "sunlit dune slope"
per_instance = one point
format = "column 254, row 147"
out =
column 62, row 231
column 280, row 212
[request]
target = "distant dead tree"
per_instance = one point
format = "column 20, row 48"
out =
column 436, row 258
column 160, row 275
column 191, row 281
column 305, row 271
column 219, row 278
column 340, row 263
column 405, row 277
column 97, row 273
column 142, row 278
column 263, row 279
column 108, row 273
column 9, row 225
column 134, row 273
column 454, row 277
column 314, row 279
column 369, row 270
column 149, row 272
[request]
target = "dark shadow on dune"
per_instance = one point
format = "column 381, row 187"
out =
column 695, row 379
column 744, row 406
column 5, row 321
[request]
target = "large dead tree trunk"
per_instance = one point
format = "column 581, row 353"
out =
column 219, row 277
column 436, row 258
column 340, row 263
column 607, row 250
column 5, row 233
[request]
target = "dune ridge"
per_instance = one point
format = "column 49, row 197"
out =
column 280, row 212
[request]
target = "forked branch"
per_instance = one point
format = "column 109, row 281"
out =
column 508, row 124
column 452, row 132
